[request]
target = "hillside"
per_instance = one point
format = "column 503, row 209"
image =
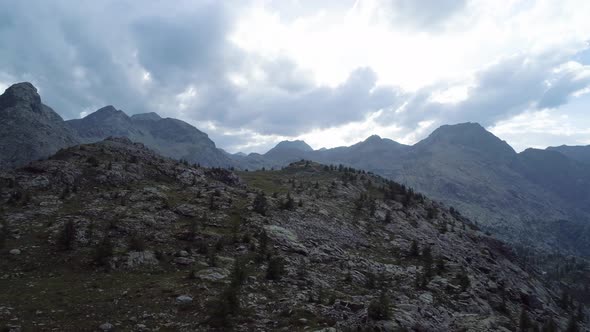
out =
column 112, row 235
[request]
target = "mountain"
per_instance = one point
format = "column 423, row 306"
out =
column 170, row 137
column 288, row 151
column 373, row 153
column 105, row 122
column 579, row 153
column 526, row 198
column 111, row 235
column 29, row 130
column 291, row 145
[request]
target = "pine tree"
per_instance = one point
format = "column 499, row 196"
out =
column 388, row 217
column 68, row 235
column 414, row 250
column 524, row 322
column 260, row 204
column 379, row 309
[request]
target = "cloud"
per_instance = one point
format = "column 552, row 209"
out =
column 500, row 91
column 272, row 110
column 421, row 14
column 260, row 71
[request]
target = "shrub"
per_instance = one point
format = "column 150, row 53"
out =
column 288, row 203
column 103, row 251
column 4, row 232
column 464, row 281
column 228, row 304
column 275, row 269
column 388, row 217
column 136, row 243
column 259, row 205
column 239, row 273
column 68, row 235
column 525, row 322
column 379, row 308
column 414, row 250
column 212, row 258
column 93, row 161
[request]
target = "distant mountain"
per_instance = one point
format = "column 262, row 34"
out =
column 29, row 130
column 579, row 153
column 170, row 137
column 291, row 145
column 288, row 151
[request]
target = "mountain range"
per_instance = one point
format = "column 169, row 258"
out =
column 536, row 198
column 30, row 130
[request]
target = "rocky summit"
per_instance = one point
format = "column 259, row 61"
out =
column 111, row 236
column 29, row 130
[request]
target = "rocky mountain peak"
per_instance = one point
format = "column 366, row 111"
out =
column 107, row 112
column 469, row 135
column 294, row 145
column 151, row 116
column 373, row 138
column 21, row 93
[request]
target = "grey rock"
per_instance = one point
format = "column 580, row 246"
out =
column 183, row 261
column 184, row 299
column 213, row 274
column 139, row 258
column 106, row 327
column 15, row 251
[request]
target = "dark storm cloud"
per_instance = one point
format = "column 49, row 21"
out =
column 84, row 56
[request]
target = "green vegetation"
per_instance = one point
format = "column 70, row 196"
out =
column 379, row 309
column 68, row 235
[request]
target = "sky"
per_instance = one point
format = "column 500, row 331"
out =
column 251, row 73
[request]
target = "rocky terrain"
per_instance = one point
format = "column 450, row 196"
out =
column 111, row 236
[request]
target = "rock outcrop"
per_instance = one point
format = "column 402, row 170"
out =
column 29, row 130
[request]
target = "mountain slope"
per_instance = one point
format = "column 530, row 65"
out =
column 523, row 198
column 170, row 137
column 29, row 130
column 579, row 153
column 126, row 239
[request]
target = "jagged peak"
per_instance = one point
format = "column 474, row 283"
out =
column 106, row 112
column 468, row 134
column 294, row 145
column 23, row 92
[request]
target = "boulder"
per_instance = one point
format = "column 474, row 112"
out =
column 184, row 299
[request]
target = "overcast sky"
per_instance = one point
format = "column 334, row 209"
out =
column 252, row 73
